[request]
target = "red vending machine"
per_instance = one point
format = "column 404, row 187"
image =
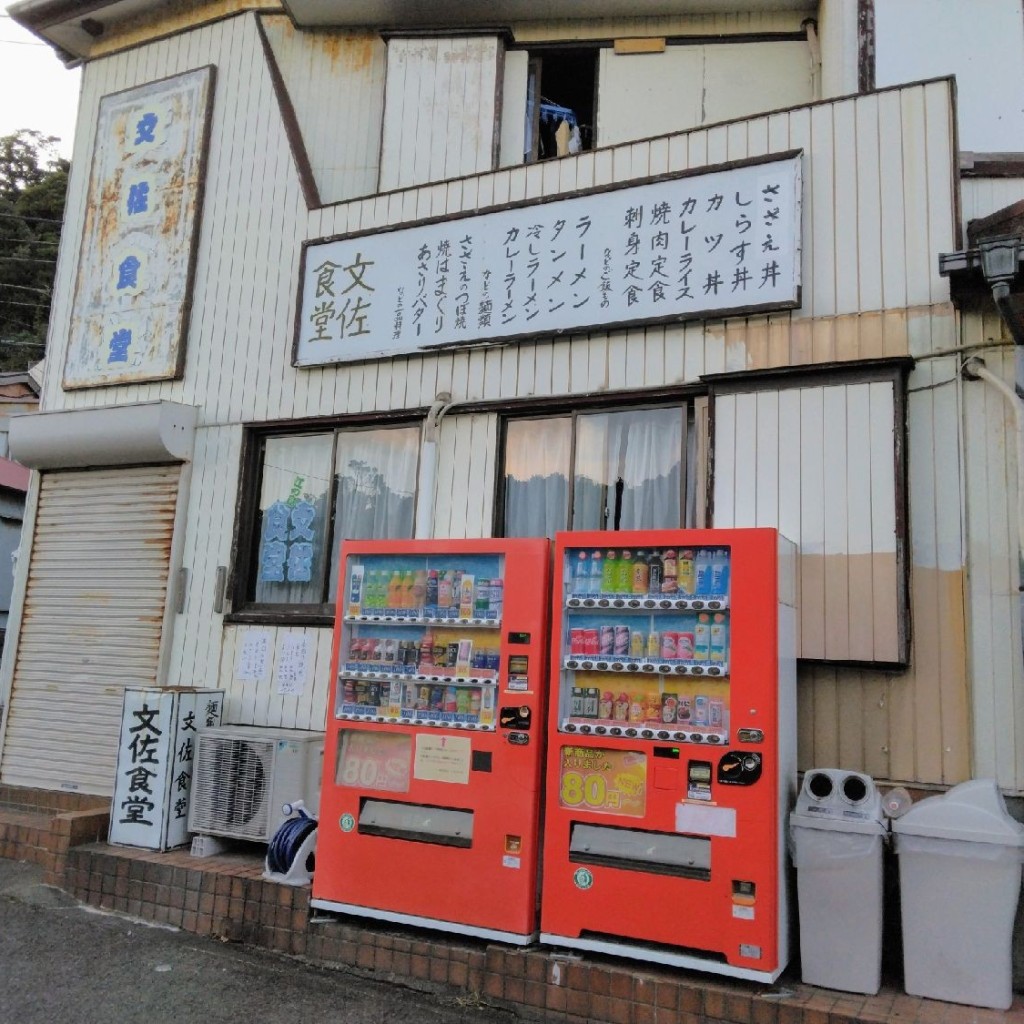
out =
column 671, row 761
column 430, row 806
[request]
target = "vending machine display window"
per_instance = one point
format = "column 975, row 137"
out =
column 421, row 640
column 671, row 748
column 646, row 643
column 435, row 735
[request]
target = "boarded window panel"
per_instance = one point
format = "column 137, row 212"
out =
column 782, row 71
column 648, row 94
column 820, row 464
column 642, row 95
column 92, row 622
column 440, row 109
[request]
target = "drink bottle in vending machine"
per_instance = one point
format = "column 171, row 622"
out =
column 430, row 803
column 671, row 748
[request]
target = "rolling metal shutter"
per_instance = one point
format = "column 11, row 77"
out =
column 92, row 623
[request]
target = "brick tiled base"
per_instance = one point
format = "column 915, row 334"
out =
column 227, row 897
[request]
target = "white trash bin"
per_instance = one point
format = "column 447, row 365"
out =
column 837, row 833
column 960, row 874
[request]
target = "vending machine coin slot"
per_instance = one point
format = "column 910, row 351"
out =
column 517, row 717
column 640, row 850
column 739, row 768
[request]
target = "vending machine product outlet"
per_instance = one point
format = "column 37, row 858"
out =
column 671, row 762
column 430, row 804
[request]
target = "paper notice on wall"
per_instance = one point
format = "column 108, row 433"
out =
column 442, row 758
column 253, row 656
column 292, row 665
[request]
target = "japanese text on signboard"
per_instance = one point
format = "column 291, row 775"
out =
column 669, row 249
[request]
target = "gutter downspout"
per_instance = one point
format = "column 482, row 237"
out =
column 974, row 368
column 427, row 476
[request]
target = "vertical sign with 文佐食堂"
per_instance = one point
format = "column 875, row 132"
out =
column 156, row 751
column 134, row 287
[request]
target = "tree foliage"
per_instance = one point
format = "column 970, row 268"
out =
column 33, row 186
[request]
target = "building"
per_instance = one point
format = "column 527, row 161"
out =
column 289, row 159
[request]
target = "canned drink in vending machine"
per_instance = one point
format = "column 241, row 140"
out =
column 668, row 646
column 577, row 641
column 621, row 640
column 684, row 646
column 684, row 710
column 700, row 710
column 716, row 712
column 606, row 640
column 592, row 642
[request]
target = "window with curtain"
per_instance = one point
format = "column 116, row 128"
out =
column 311, row 491
column 610, row 469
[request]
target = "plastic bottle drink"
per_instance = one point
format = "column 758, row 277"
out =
column 431, row 595
column 655, row 573
column 687, row 573
column 720, row 572
column 444, row 590
column 609, row 572
column 395, row 590
column 624, row 573
column 703, row 572
column 580, row 573
column 719, row 638
column 595, row 575
column 641, row 574
column 419, row 589
column 669, row 572
column 702, row 638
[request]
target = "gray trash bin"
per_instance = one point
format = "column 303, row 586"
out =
column 837, row 833
column 960, row 872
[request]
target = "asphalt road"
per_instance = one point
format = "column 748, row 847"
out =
column 60, row 961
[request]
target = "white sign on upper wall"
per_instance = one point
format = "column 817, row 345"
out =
column 134, row 285
column 669, row 249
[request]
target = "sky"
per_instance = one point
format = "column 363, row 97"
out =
column 36, row 90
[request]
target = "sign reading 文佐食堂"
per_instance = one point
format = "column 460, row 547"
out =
column 671, row 249
column 134, row 282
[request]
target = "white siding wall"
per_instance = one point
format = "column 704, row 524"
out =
column 336, row 85
column 877, row 208
column 981, row 196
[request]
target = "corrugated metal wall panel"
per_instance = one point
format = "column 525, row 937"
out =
column 818, row 463
column 92, row 622
column 993, row 580
column 845, row 525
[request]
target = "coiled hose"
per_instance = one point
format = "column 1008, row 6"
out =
column 287, row 841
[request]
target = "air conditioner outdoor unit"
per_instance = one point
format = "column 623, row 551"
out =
column 243, row 775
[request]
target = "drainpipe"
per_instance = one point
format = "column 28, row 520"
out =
column 974, row 369
column 428, row 466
